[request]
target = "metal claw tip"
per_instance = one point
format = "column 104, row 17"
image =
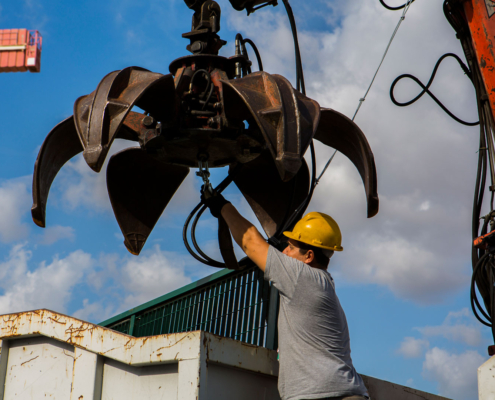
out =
column 134, row 243
column 92, row 157
column 38, row 219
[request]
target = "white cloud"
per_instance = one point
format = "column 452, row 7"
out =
column 456, row 374
column 46, row 286
column 131, row 281
column 413, row 348
column 15, row 203
column 96, row 312
column 425, row 206
column 152, row 274
column 82, row 187
column 459, row 326
column 55, row 233
column 408, row 270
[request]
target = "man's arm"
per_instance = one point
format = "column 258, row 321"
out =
column 246, row 236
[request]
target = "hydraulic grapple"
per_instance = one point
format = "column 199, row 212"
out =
column 209, row 111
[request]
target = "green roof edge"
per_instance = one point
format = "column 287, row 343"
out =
column 168, row 296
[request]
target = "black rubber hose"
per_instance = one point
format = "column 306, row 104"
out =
column 426, row 89
column 302, row 87
column 204, row 71
column 212, row 87
column 481, row 172
column 255, row 49
column 474, row 299
column 244, row 51
column 195, row 243
column 395, row 8
column 304, row 205
column 220, row 188
column 479, row 268
column 186, row 241
column 299, row 70
column 313, row 183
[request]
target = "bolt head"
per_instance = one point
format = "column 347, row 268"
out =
column 148, row 121
column 197, row 47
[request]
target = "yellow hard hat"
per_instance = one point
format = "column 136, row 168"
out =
column 319, row 230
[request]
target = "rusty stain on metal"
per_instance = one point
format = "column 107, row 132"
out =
column 29, row 360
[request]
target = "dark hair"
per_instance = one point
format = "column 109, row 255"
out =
column 320, row 257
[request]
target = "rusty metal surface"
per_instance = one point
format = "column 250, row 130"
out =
column 479, row 18
column 138, row 351
column 99, row 115
column 338, row 131
column 140, row 187
column 287, row 119
column 268, row 195
column 60, row 146
column 99, row 340
column 27, row 376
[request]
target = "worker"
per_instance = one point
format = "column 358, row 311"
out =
column 313, row 337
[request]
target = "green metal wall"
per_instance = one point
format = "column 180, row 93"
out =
column 237, row 304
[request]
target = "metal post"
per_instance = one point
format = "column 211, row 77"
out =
column 4, row 359
column 272, row 318
column 131, row 325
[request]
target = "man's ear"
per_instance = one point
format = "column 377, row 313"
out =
column 309, row 257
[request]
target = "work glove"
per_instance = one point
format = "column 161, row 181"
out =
column 214, row 201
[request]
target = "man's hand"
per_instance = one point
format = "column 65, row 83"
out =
column 244, row 233
column 214, row 201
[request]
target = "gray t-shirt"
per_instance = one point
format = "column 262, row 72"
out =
column 313, row 337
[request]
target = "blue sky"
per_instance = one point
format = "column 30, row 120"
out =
column 404, row 275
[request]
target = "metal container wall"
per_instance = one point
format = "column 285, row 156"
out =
column 49, row 355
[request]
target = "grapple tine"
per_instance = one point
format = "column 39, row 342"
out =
column 140, row 187
column 286, row 118
column 341, row 133
column 268, row 195
column 99, row 115
column 61, row 144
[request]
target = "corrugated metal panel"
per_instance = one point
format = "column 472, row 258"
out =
column 234, row 305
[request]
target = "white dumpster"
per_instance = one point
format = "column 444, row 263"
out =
column 46, row 355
